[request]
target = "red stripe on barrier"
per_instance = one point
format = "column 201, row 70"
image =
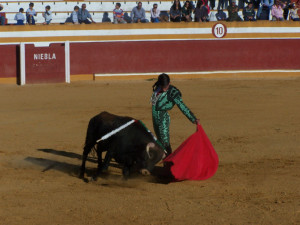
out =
column 9, row 61
column 181, row 56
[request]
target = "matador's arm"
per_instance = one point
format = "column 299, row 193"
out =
column 175, row 95
column 184, row 109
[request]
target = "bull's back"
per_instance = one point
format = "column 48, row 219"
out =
column 104, row 123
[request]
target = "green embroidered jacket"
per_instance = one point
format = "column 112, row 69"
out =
column 168, row 99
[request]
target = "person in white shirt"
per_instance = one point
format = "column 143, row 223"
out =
column 74, row 15
column 19, row 17
column 294, row 13
column 47, row 15
column 30, row 13
column 155, row 12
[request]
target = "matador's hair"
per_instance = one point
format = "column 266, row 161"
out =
column 162, row 81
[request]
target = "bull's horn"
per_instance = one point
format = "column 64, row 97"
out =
column 149, row 145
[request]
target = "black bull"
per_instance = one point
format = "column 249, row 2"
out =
column 132, row 146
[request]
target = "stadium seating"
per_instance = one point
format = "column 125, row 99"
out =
column 62, row 9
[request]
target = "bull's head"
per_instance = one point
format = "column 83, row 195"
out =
column 154, row 153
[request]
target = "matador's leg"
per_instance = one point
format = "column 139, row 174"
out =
column 161, row 123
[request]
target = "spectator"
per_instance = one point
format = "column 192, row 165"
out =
column 212, row 4
column 277, row 11
column 264, row 13
column 192, row 6
column 84, row 15
column 30, row 14
column 19, row 17
column 264, row 7
column 155, row 14
column 118, row 14
column 127, row 18
column 138, row 14
column 205, row 3
column 294, row 13
column 249, row 13
column 286, row 8
column 175, row 11
column 201, row 12
column 186, row 12
column 241, row 4
column 164, row 16
column 47, row 15
column 2, row 18
column 105, row 18
column 223, row 4
column 256, row 4
column 220, row 15
column 233, row 12
column 74, row 15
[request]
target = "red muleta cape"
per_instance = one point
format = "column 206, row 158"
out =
column 194, row 159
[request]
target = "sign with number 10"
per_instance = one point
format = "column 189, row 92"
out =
column 219, row 30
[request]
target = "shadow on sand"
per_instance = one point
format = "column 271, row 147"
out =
column 64, row 153
column 49, row 164
column 160, row 175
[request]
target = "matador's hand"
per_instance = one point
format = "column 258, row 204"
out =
column 197, row 121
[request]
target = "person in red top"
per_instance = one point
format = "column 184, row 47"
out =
column 204, row 3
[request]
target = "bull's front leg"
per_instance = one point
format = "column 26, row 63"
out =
column 126, row 172
column 102, row 166
column 106, row 161
column 128, row 163
column 82, row 169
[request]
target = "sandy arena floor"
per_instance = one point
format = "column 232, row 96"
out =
column 254, row 126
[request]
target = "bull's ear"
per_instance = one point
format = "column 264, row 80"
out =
column 149, row 145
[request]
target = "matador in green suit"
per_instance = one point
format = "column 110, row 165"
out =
column 163, row 99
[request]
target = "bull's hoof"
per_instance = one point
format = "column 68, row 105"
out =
column 145, row 172
column 94, row 178
column 126, row 172
column 104, row 170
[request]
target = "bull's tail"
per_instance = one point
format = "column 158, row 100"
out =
column 90, row 139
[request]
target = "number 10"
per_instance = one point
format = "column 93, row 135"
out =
column 220, row 30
